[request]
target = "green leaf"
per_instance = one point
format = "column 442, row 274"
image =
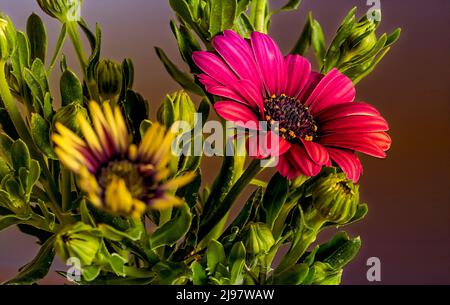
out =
column 89, row 35
column 293, row 276
column 187, row 43
column 304, row 41
column 190, row 191
column 215, row 254
column 38, row 267
column 223, row 14
column 274, row 198
column 11, row 220
column 34, row 86
column 33, row 176
column 38, row 70
column 290, row 6
column 116, row 235
column 166, row 113
column 173, row 230
column 136, row 110
column 40, row 130
column 199, row 276
column 38, row 37
column 95, row 55
column 342, row 253
column 182, row 78
column 243, row 26
column 71, row 88
column 59, row 46
column 21, row 57
column 6, row 144
column 86, row 216
column 183, row 10
column 236, row 261
column 128, row 73
column 20, row 155
column 318, row 41
column 242, row 7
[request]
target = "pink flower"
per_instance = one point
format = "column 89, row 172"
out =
column 319, row 122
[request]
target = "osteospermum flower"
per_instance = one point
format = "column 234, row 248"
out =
column 120, row 177
column 318, row 120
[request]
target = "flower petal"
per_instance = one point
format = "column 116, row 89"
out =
column 353, row 142
column 266, row 144
column 214, row 66
column 298, row 73
column 354, row 124
column 270, row 61
column 334, row 88
column 316, row 152
column 301, row 160
column 238, row 54
column 236, row 113
column 346, row 110
column 348, row 162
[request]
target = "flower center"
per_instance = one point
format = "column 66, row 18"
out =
column 294, row 119
column 125, row 170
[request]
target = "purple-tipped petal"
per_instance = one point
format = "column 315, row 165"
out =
column 298, row 73
column 271, row 63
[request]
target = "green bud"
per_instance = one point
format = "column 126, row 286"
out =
column 67, row 116
column 7, row 37
column 79, row 241
column 361, row 40
column 109, row 79
column 258, row 239
column 63, row 10
column 177, row 107
column 335, row 198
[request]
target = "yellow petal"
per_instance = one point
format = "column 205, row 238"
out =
column 165, row 202
column 68, row 161
column 179, row 181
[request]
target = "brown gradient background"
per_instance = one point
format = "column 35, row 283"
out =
column 408, row 194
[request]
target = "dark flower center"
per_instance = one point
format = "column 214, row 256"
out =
column 125, row 170
column 294, row 119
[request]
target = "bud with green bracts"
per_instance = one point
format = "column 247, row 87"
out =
column 7, row 37
column 109, row 79
column 177, row 107
column 258, row 239
column 79, row 241
column 68, row 116
column 63, row 10
column 335, row 198
column 362, row 40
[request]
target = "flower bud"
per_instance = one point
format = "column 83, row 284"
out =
column 7, row 37
column 68, row 114
column 258, row 239
column 177, row 107
column 79, row 241
column 361, row 40
column 335, row 198
column 109, row 79
column 63, row 10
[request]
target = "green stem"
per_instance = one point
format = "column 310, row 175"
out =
column 66, row 188
column 225, row 206
column 260, row 16
column 72, row 29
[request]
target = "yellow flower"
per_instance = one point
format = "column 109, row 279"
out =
column 122, row 178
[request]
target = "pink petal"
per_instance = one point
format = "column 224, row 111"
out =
column 298, row 73
column 260, row 146
column 236, row 113
column 238, row 54
column 346, row 110
column 212, row 65
column 335, row 88
column 302, row 161
column 316, row 152
column 354, row 124
column 208, row 81
column 353, row 142
column 287, row 168
column 313, row 81
column 348, row 162
column 270, row 61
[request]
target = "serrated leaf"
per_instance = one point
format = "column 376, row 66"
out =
column 38, row 70
column 11, row 220
column 34, row 86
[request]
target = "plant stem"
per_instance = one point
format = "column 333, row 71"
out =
column 225, row 206
column 66, row 188
column 260, row 16
column 72, row 29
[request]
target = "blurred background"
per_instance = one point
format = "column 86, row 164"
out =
column 407, row 227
